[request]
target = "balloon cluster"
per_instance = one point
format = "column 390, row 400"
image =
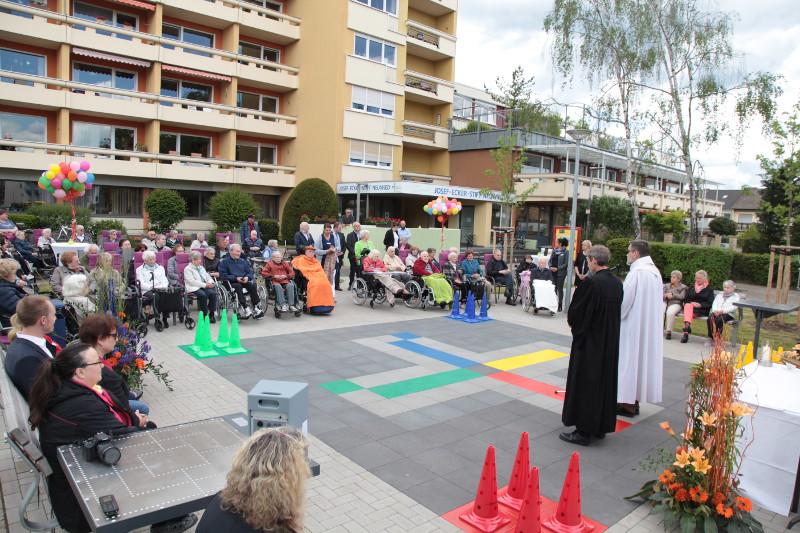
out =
column 443, row 207
column 67, row 180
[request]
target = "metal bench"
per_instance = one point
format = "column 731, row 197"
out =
column 734, row 324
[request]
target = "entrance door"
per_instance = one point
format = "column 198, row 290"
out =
column 467, row 224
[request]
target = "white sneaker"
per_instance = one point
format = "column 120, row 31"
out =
column 284, row 308
column 293, row 309
column 708, row 343
column 246, row 312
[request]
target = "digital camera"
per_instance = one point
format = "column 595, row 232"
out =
column 101, row 447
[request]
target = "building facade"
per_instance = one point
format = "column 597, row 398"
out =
column 199, row 96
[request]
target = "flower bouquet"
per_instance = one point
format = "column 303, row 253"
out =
column 698, row 486
column 130, row 360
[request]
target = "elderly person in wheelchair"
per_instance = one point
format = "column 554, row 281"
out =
column 433, row 279
column 395, row 265
column 375, row 269
column 281, row 274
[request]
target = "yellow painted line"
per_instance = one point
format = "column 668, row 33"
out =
column 528, row 359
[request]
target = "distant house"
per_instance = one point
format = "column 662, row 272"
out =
column 740, row 207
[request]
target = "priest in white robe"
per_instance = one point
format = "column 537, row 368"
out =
column 641, row 343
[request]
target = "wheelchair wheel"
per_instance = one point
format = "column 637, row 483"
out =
column 159, row 325
column 141, row 329
column 359, row 292
column 414, row 294
column 429, row 299
column 525, row 296
column 189, row 322
column 380, row 296
column 263, row 295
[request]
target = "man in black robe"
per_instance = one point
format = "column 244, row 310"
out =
column 590, row 402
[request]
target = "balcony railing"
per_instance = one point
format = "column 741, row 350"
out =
column 422, row 84
column 422, row 35
column 150, row 98
column 145, row 37
column 246, row 6
column 419, row 133
column 149, row 157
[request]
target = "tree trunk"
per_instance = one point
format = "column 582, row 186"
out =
column 637, row 225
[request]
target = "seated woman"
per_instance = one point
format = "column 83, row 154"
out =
column 281, row 274
column 211, row 262
column 199, row 242
column 412, row 256
column 173, row 239
column 265, row 489
column 434, row 279
column 722, row 311
column 100, row 332
column 374, row 267
column 152, row 278
column 527, row 264
column 271, row 248
column 473, row 275
column 363, row 244
column 70, row 266
column 26, row 250
column 699, row 297
column 674, row 294
column 112, row 236
column 76, row 294
column 432, row 256
column 11, row 291
column 404, row 245
column 253, row 245
column 395, row 265
column 452, row 272
column 173, row 276
column 199, row 282
column 46, row 239
column 107, row 280
column 319, row 297
column 124, row 244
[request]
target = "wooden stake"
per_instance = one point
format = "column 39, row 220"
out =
column 769, row 276
column 787, row 279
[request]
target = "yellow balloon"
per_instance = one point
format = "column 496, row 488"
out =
column 55, row 169
column 49, row 175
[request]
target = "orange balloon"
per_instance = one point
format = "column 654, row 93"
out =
column 72, row 176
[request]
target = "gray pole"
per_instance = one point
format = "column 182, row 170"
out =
column 578, row 135
column 358, row 203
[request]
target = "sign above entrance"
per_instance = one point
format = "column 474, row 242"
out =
column 417, row 189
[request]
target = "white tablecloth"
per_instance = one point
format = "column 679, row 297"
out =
column 769, row 466
column 61, row 247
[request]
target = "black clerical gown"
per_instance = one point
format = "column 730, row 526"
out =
column 590, row 403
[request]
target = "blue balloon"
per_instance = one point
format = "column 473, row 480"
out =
column 89, row 177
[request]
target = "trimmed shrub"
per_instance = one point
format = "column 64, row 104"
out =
column 96, row 227
column 612, row 217
column 30, row 221
column 313, row 197
column 684, row 257
column 723, row 226
column 54, row 216
column 229, row 208
column 165, row 209
column 754, row 268
column 660, row 223
column 270, row 229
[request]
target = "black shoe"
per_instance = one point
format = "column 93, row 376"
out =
column 138, row 395
column 687, row 328
column 685, row 338
column 621, row 411
column 575, row 438
column 338, row 288
column 668, row 336
column 176, row 525
column 511, row 302
column 599, row 436
column 166, row 323
column 212, row 319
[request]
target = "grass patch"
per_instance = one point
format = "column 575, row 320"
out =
column 781, row 331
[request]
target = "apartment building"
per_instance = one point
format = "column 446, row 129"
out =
column 197, row 95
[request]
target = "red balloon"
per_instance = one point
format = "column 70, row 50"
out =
column 65, row 169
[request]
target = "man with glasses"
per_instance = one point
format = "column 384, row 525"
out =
column 641, row 346
column 30, row 347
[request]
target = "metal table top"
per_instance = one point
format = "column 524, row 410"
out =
column 163, row 473
column 767, row 307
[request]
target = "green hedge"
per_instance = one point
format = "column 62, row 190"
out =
column 54, row 216
column 30, row 221
column 754, row 268
column 684, row 257
column 270, row 229
column 97, row 227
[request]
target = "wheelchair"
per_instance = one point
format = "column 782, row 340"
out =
column 227, row 298
column 169, row 300
column 271, row 289
column 496, row 287
column 421, row 295
column 367, row 287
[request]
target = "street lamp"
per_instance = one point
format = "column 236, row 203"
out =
column 579, row 135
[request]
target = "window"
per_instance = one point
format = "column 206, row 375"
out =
column 746, row 218
column 375, row 50
column 187, row 90
column 104, row 77
column 103, row 136
column 486, row 113
column 105, row 16
column 17, row 13
column 23, row 128
column 584, row 170
column 370, row 154
column 196, row 203
column 372, row 101
column 536, row 164
column 268, row 205
column 389, row 6
column 189, row 145
column 113, row 200
column 274, row 6
column 260, row 52
column 259, row 102
column 462, row 107
column 256, row 153
column 188, row 35
column 611, row 175
column 21, row 63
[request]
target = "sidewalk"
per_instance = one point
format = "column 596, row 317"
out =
column 396, row 464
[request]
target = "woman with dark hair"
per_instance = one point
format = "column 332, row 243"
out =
column 100, row 332
column 265, row 490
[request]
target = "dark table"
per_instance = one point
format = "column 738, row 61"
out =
column 764, row 310
column 163, row 473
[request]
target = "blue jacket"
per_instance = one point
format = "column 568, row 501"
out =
column 244, row 231
column 10, row 295
column 471, row 267
column 25, row 249
column 230, row 268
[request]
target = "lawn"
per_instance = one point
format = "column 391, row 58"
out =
column 782, row 331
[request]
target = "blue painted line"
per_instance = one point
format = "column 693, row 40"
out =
column 406, row 336
column 434, row 354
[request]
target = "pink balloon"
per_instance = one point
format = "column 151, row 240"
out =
column 75, row 166
column 56, row 182
column 59, row 176
column 82, row 176
column 88, row 186
column 59, row 193
column 85, row 165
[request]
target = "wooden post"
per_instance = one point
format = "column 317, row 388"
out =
column 769, row 276
column 779, row 283
column 787, row 279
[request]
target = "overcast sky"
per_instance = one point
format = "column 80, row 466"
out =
column 494, row 37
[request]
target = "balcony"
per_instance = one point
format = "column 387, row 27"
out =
column 364, row 19
column 146, row 165
column 427, row 89
column 370, row 127
column 429, row 43
column 434, row 7
column 105, row 102
column 424, row 136
column 436, row 179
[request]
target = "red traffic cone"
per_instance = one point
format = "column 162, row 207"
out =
column 485, row 514
column 568, row 517
column 530, row 514
column 515, row 490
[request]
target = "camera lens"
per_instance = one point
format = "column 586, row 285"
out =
column 108, row 453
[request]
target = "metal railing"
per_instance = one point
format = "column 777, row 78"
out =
column 419, row 83
column 423, row 35
column 419, row 133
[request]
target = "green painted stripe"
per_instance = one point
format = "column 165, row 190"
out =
column 341, row 386
column 410, row 386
